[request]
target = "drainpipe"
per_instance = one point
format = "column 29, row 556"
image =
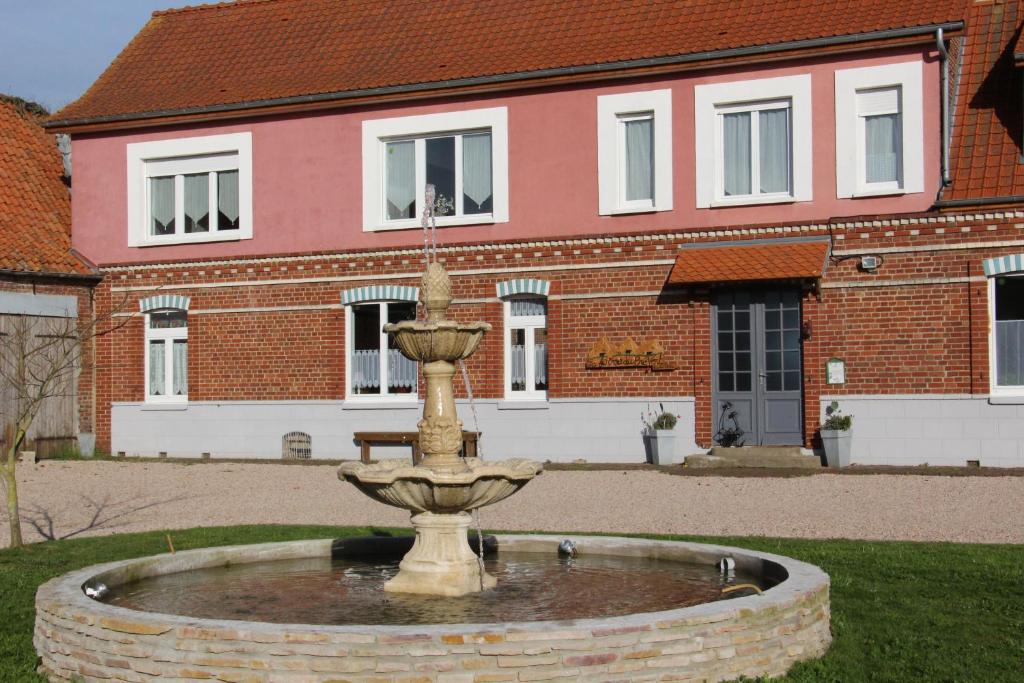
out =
column 944, row 103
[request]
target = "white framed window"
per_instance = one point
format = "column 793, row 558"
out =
column 879, row 130
column 374, row 367
column 190, row 190
column 634, row 150
column 753, row 141
column 1006, row 334
column 526, row 348
column 166, row 358
column 464, row 155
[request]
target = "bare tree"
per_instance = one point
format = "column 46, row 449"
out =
column 40, row 358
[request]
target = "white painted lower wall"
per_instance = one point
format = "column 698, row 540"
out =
column 559, row 430
column 933, row 429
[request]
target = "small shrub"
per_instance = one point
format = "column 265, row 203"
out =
column 835, row 419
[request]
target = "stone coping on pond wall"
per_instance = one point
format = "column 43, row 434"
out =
column 78, row 638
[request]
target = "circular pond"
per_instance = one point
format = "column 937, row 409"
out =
column 625, row 608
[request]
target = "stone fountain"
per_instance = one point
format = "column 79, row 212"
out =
column 444, row 488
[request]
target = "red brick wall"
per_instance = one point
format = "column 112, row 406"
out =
column 897, row 336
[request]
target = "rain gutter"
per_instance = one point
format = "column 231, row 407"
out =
column 52, row 277
column 981, row 201
column 754, row 50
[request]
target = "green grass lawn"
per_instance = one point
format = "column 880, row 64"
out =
column 900, row 611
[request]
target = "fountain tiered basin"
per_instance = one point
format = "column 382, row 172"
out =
column 318, row 611
column 444, row 488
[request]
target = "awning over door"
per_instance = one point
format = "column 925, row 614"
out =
column 744, row 262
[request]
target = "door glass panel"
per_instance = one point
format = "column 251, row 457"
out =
column 773, row 381
column 792, row 360
column 725, row 382
column 791, row 319
column 773, row 361
column 743, row 341
column 771, row 320
column 772, row 340
column 724, row 341
column 791, row 339
column 725, row 321
column 792, row 381
column 743, row 362
column 743, row 320
column 725, row 362
column 743, row 381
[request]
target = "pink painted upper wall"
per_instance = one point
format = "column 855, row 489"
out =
column 307, row 177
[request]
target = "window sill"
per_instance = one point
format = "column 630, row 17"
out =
column 164, row 406
column 1006, row 399
column 752, row 201
column 183, row 239
column 416, row 224
column 625, row 211
column 880, row 192
column 380, row 404
column 524, row 404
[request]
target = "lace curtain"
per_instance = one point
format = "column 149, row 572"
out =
column 639, row 159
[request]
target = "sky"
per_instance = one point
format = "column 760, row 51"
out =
column 51, row 51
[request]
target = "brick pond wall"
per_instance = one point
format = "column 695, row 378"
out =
column 78, row 638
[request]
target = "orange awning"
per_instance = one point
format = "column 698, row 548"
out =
column 741, row 262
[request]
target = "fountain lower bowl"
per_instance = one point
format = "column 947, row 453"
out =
column 758, row 635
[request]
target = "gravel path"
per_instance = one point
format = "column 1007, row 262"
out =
column 103, row 497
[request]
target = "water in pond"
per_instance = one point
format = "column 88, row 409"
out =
column 531, row 587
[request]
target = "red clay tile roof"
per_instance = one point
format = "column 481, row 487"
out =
column 258, row 50
column 749, row 263
column 35, row 205
column 985, row 149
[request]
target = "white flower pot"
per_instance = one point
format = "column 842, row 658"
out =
column 837, row 446
column 661, row 447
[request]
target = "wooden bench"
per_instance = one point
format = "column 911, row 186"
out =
column 366, row 439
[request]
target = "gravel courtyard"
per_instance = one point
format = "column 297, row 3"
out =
column 67, row 498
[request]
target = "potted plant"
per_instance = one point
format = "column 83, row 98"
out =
column 836, row 436
column 659, row 436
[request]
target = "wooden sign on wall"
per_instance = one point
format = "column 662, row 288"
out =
column 649, row 354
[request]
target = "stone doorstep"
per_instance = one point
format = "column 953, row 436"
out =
column 755, row 456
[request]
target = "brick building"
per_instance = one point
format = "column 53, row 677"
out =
column 41, row 280
column 704, row 205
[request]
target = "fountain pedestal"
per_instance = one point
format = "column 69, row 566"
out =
column 444, row 487
column 441, row 561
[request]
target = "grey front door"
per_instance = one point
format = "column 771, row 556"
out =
column 757, row 367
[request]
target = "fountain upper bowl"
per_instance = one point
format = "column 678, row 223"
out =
column 423, row 489
column 445, row 340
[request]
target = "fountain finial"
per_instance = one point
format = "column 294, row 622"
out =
column 436, row 292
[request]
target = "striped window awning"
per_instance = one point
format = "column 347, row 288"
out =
column 379, row 293
column 523, row 286
column 739, row 262
column 164, row 301
column 1012, row 263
